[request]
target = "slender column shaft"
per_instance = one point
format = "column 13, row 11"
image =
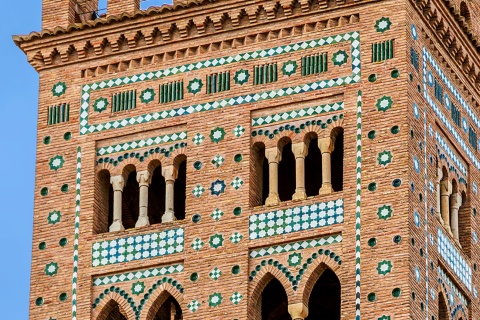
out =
column 437, row 186
column 445, row 192
column 143, row 178
column 455, row 204
column 326, row 146
column 300, row 151
column 274, row 156
column 170, row 174
column 118, row 183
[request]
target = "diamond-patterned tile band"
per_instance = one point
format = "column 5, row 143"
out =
column 444, row 145
column 296, row 219
column 137, row 247
column 353, row 37
column 78, row 179
column 136, row 275
column 452, row 286
column 294, row 246
column 454, row 259
column 132, row 145
column 453, row 129
column 299, row 113
column 358, row 207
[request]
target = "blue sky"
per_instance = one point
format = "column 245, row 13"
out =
column 19, row 91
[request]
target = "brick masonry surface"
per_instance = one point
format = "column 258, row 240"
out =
column 412, row 110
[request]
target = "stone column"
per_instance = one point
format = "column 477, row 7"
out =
column 118, row 183
column 300, row 151
column 326, row 146
column 437, row 187
column 170, row 174
column 455, row 204
column 143, row 178
column 274, row 156
column 445, row 192
column 298, row 311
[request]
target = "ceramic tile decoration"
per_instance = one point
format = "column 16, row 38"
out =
column 216, row 241
column 198, row 190
column 59, row 89
column 51, row 269
column 296, row 219
column 54, row 217
column 236, row 183
column 384, row 103
column 383, row 25
column 197, row 244
column 217, row 134
column 236, row 298
column 148, row 142
column 358, row 206
column 451, row 154
column 454, row 259
column 289, row 68
column 340, row 57
column 352, row 37
column 241, row 76
column 384, row 158
column 298, row 113
column 215, row 274
column 217, row 214
column 236, row 237
column 218, row 160
column 294, row 246
column 56, row 163
column 215, row 299
column 147, row 95
column 137, row 275
column 217, row 187
column 384, row 267
column 444, row 277
column 138, row 288
column 193, row 305
column 384, row 212
column 238, row 131
column 295, row 259
column 137, row 247
column 78, row 178
column 198, row 139
column 100, row 105
column 427, row 57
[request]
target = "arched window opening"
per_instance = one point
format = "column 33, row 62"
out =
column 156, row 195
column 258, row 176
column 465, row 12
column 103, row 203
column 130, row 199
column 112, row 311
column 286, row 171
column 169, row 310
column 337, row 160
column 274, row 302
column 180, row 190
column 313, row 168
column 442, row 308
column 455, row 204
column 464, row 224
column 325, row 298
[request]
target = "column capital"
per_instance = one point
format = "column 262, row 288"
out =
column 298, row 311
column 326, row 145
column 439, row 174
column 456, row 200
column 446, row 187
column 273, row 155
column 118, row 182
column 144, row 178
column 300, row 149
column 170, row 173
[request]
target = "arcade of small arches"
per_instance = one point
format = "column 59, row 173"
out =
column 271, row 299
column 451, row 200
column 294, row 166
column 127, row 198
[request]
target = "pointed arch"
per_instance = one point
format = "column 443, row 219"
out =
column 162, row 293
column 112, row 305
column 326, row 297
column 443, row 313
column 264, row 277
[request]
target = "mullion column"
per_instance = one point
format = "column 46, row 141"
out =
column 143, row 178
column 118, row 183
column 300, row 151
column 170, row 174
column 274, row 156
column 298, row 311
column 326, row 146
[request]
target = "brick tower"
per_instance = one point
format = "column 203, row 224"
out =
column 260, row 160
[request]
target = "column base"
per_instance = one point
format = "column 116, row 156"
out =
column 299, row 195
column 439, row 217
column 116, row 226
column 272, row 200
column 326, row 189
column 142, row 222
column 448, row 230
column 168, row 216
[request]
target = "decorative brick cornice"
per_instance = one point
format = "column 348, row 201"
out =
column 159, row 26
column 463, row 47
